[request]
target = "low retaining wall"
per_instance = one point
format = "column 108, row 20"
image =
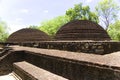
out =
column 95, row 47
column 28, row 71
column 74, row 69
column 8, row 59
column 74, row 66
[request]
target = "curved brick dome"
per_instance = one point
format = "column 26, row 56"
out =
column 82, row 30
column 28, row 35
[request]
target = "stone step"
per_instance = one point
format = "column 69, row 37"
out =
column 16, row 76
column 28, row 71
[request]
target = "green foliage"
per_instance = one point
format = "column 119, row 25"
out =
column 114, row 31
column 107, row 10
column 80, row 12
column 33, row 27
column 51, row 26
column 3, row 32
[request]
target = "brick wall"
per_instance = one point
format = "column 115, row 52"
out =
column 100, row 47
column 8, row 59
column 74, row 69
column 71, row 65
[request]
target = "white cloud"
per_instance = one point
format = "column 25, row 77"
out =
column 15, row 27
column 89, row 1
column 15, row 21
column 18, row 19
column 0, row 0
column 45, row 11
column 24, row 11
column 16, row 24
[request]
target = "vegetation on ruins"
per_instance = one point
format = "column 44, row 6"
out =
column 107, row 11
column 51, row 26
column 33, row 27
column 3, row 31
column 80, row 12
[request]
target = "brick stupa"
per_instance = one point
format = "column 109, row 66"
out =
column 28, row 35
column 82, row 30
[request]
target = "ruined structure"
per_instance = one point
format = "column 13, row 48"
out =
column 28, row 35
column 94, row 56
column 82, row 36
column 82, row 30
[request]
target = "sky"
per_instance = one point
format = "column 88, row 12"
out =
column 20, row 14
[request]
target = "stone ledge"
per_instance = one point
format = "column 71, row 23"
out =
column 105, row 61
column 28, row 71
column 71, row 65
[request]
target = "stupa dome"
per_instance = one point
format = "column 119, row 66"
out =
column 28, row 35
column 82, row 30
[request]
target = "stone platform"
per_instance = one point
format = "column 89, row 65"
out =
column 28, row 71
column 70, row 65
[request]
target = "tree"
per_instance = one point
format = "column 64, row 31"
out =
column 80, row 12
column 3, row 31
column 107, row 10
column 33, row 27
column 51, row 26
column 114, row 30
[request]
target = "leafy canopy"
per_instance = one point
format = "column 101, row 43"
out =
column 3, row 31
column 33, row 27
column 114, row 31
column 51, row 26
column 107, row 10
column 80, row 12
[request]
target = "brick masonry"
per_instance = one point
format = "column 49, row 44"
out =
column 95, row 47
column 8, row 59
column 71, row 65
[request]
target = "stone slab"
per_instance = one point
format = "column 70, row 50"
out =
column 34, row 73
